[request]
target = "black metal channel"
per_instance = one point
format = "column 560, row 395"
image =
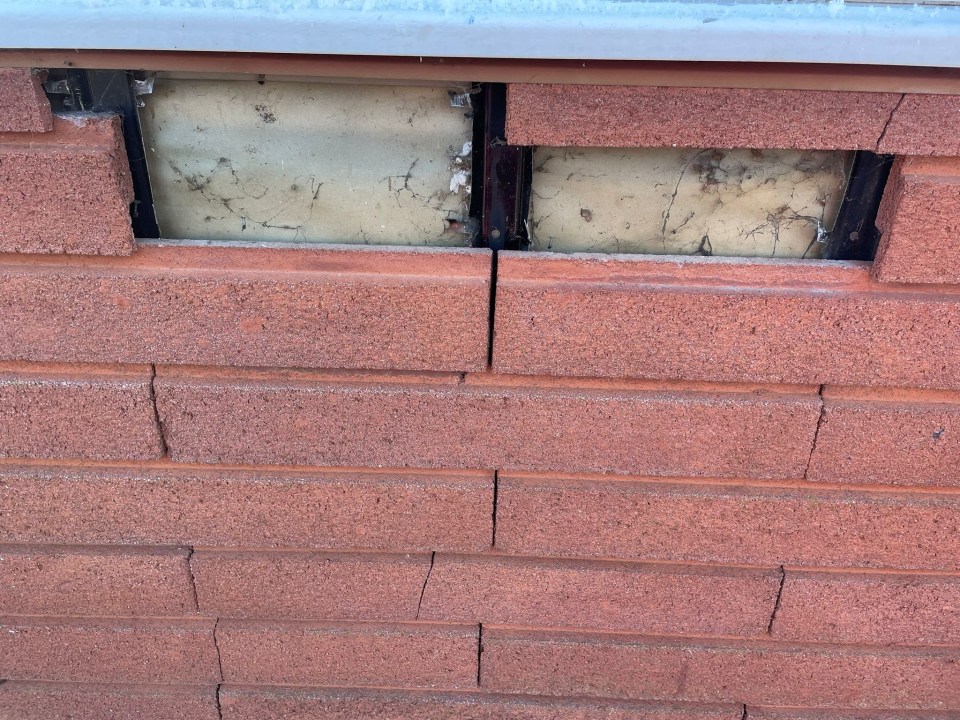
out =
column 111, row 91
column 507, row 172
column 855, row 234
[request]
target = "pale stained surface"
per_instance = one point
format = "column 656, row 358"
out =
column 307, row 162
column 682, row 201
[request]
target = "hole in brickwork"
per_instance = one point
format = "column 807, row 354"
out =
column 683, row 201
column 266, row 160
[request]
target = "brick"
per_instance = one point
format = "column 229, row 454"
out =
column 92, row 412
column 66, row 191
column 633, row 116
column 23, row 104
column 635, row 597
column 877, row 608
column 919, row 218
column 923, row 125
column 59, row 580
column 329, row 586
column 119, row 650
column 485, row 422
column 399, row 308
column 246, row 703
column 774, row 713
column 752, row 672
column 899, row 437
column 727, row 523
column 402, row 511
column 720, row 319
column 46, row 700
column 403, row 655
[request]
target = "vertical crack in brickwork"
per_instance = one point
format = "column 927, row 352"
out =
column 886, row 125
column 776, row 604
column 496, row 493
column 479, row 651
column 193, row 579
column 743, row 713
column 423, row 590
column 816, row 433
column 493, row 307
column 216, row 645
column 164, row 447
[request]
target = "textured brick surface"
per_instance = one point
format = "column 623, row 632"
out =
column 901, row 437
column 920, row 221
column 52, row 580
column 726, row 523
column 67, row 191
column 637, row 597
column 923, row 125
column 869, row 608
column 23, row 105
column 762, row 673
column 781, row 713
column 486, row 422
column 75, row 701
column 365, row 654
column 399, row 511
column 721, row 319
column 116, row 650
column 400, row 308
column 621, row 116
column 328, row 586
column 95, row 412
column 240, row 703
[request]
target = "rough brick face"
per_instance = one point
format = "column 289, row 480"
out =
column 396, row 511
column 166, row 652
column 92, row 412
column 58, row 580
column 401, row 308
column 436, row 421
column 654, row 598
column 94, row 701
column 923, row 125
column 331, row 586
column 920, row 221
column 67, row 191
column 621, row 116
column 876, row 608
column 23, row 105
column 721, row 320
column 892, row 437
column 403, row 655
column 762, row 673
column 644, row 520
column 333, row 704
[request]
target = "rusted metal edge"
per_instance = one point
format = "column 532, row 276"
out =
column 788, row 76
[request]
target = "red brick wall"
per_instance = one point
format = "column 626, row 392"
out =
column 251, row 483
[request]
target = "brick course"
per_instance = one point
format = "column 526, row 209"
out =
column 402, row 308
column 112, row 650
column 639, row 597
column 95, row 701
column 93, row 412
column 719, row 319
column 66, row 191
column 919, row 218
column 487, row 421
column 407, row 655
column 91, row 580
column 23, row 104
column 727, row 523
column 166, row 505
